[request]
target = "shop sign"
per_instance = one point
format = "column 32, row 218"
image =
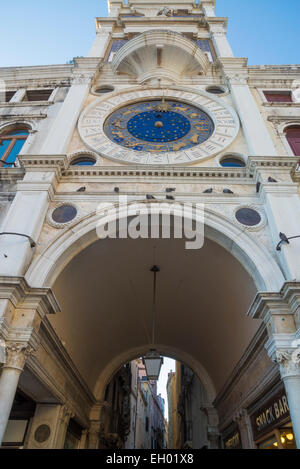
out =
column 270, row 415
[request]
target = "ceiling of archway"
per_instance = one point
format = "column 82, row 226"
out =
column 106, row 298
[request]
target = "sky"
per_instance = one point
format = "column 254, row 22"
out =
column 169, row 365
column 35, row 32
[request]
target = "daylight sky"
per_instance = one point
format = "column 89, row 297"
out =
column 37, row 32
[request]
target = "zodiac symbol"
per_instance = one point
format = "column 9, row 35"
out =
column 194, row 115
column 194, row 138
column 118, row 124
column 179, row 108
column 178, row 146
column 201, row 128
column 118, row 134
column 156, row 148
column 128, row 112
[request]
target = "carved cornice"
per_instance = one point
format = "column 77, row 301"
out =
column 45, row 163
column 285, row 302
column 14, row 115
column 11, row 174
column 157, row 171
column 46, row 76
column 21, row 295
column 281, row 119
column 262, row 165
column 272, row 161
column 60, row 164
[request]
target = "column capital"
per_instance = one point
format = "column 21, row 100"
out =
column 217, row 25
column 289, row 362
column 66, row 414
column 16, row 355
column 84, row 70
column 235, row 70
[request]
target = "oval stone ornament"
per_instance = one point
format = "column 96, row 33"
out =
column 42, row 433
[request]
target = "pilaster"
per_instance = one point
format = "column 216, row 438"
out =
column 49, row 427
column 23, row 223
column 257, row 136
column 213, row 434
column 281, row 313
column 244, row 424
column 218, row 31
column 101, row 42
column 208, row 7
column 62, row 129
column 279, row 194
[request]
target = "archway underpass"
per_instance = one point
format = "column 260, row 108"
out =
column 105, row 294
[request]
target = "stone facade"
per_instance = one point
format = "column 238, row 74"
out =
column 63, row 349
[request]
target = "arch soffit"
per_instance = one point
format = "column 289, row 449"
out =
column 161, row 39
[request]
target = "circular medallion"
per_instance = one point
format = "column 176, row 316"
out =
column 42, row 433
column 64, row 214
column 248, row 216
column 158, row 127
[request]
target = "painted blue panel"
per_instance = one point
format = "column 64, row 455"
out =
column 144, row 126
column 18, row 132
column 14, row 153
column 4, row 144
column 83, row 163
column 153, row 126
column 203, row 44
column 116, row 45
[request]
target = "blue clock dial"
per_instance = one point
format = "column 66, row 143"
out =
column 159, row 126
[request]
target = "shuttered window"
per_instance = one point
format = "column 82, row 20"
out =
column 281, row 97
column 293, row 137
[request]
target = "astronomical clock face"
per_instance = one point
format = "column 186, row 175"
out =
column 159, row 126
column 156, row 127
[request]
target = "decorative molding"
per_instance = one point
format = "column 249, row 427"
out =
column 159, row 172
column 289, row 361
column 282, row 119
column 284, row 302
column 21, row 295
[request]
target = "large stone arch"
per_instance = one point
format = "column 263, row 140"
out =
column 256, row 260
column 241, row 244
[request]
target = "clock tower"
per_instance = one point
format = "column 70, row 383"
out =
column 176, row 53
